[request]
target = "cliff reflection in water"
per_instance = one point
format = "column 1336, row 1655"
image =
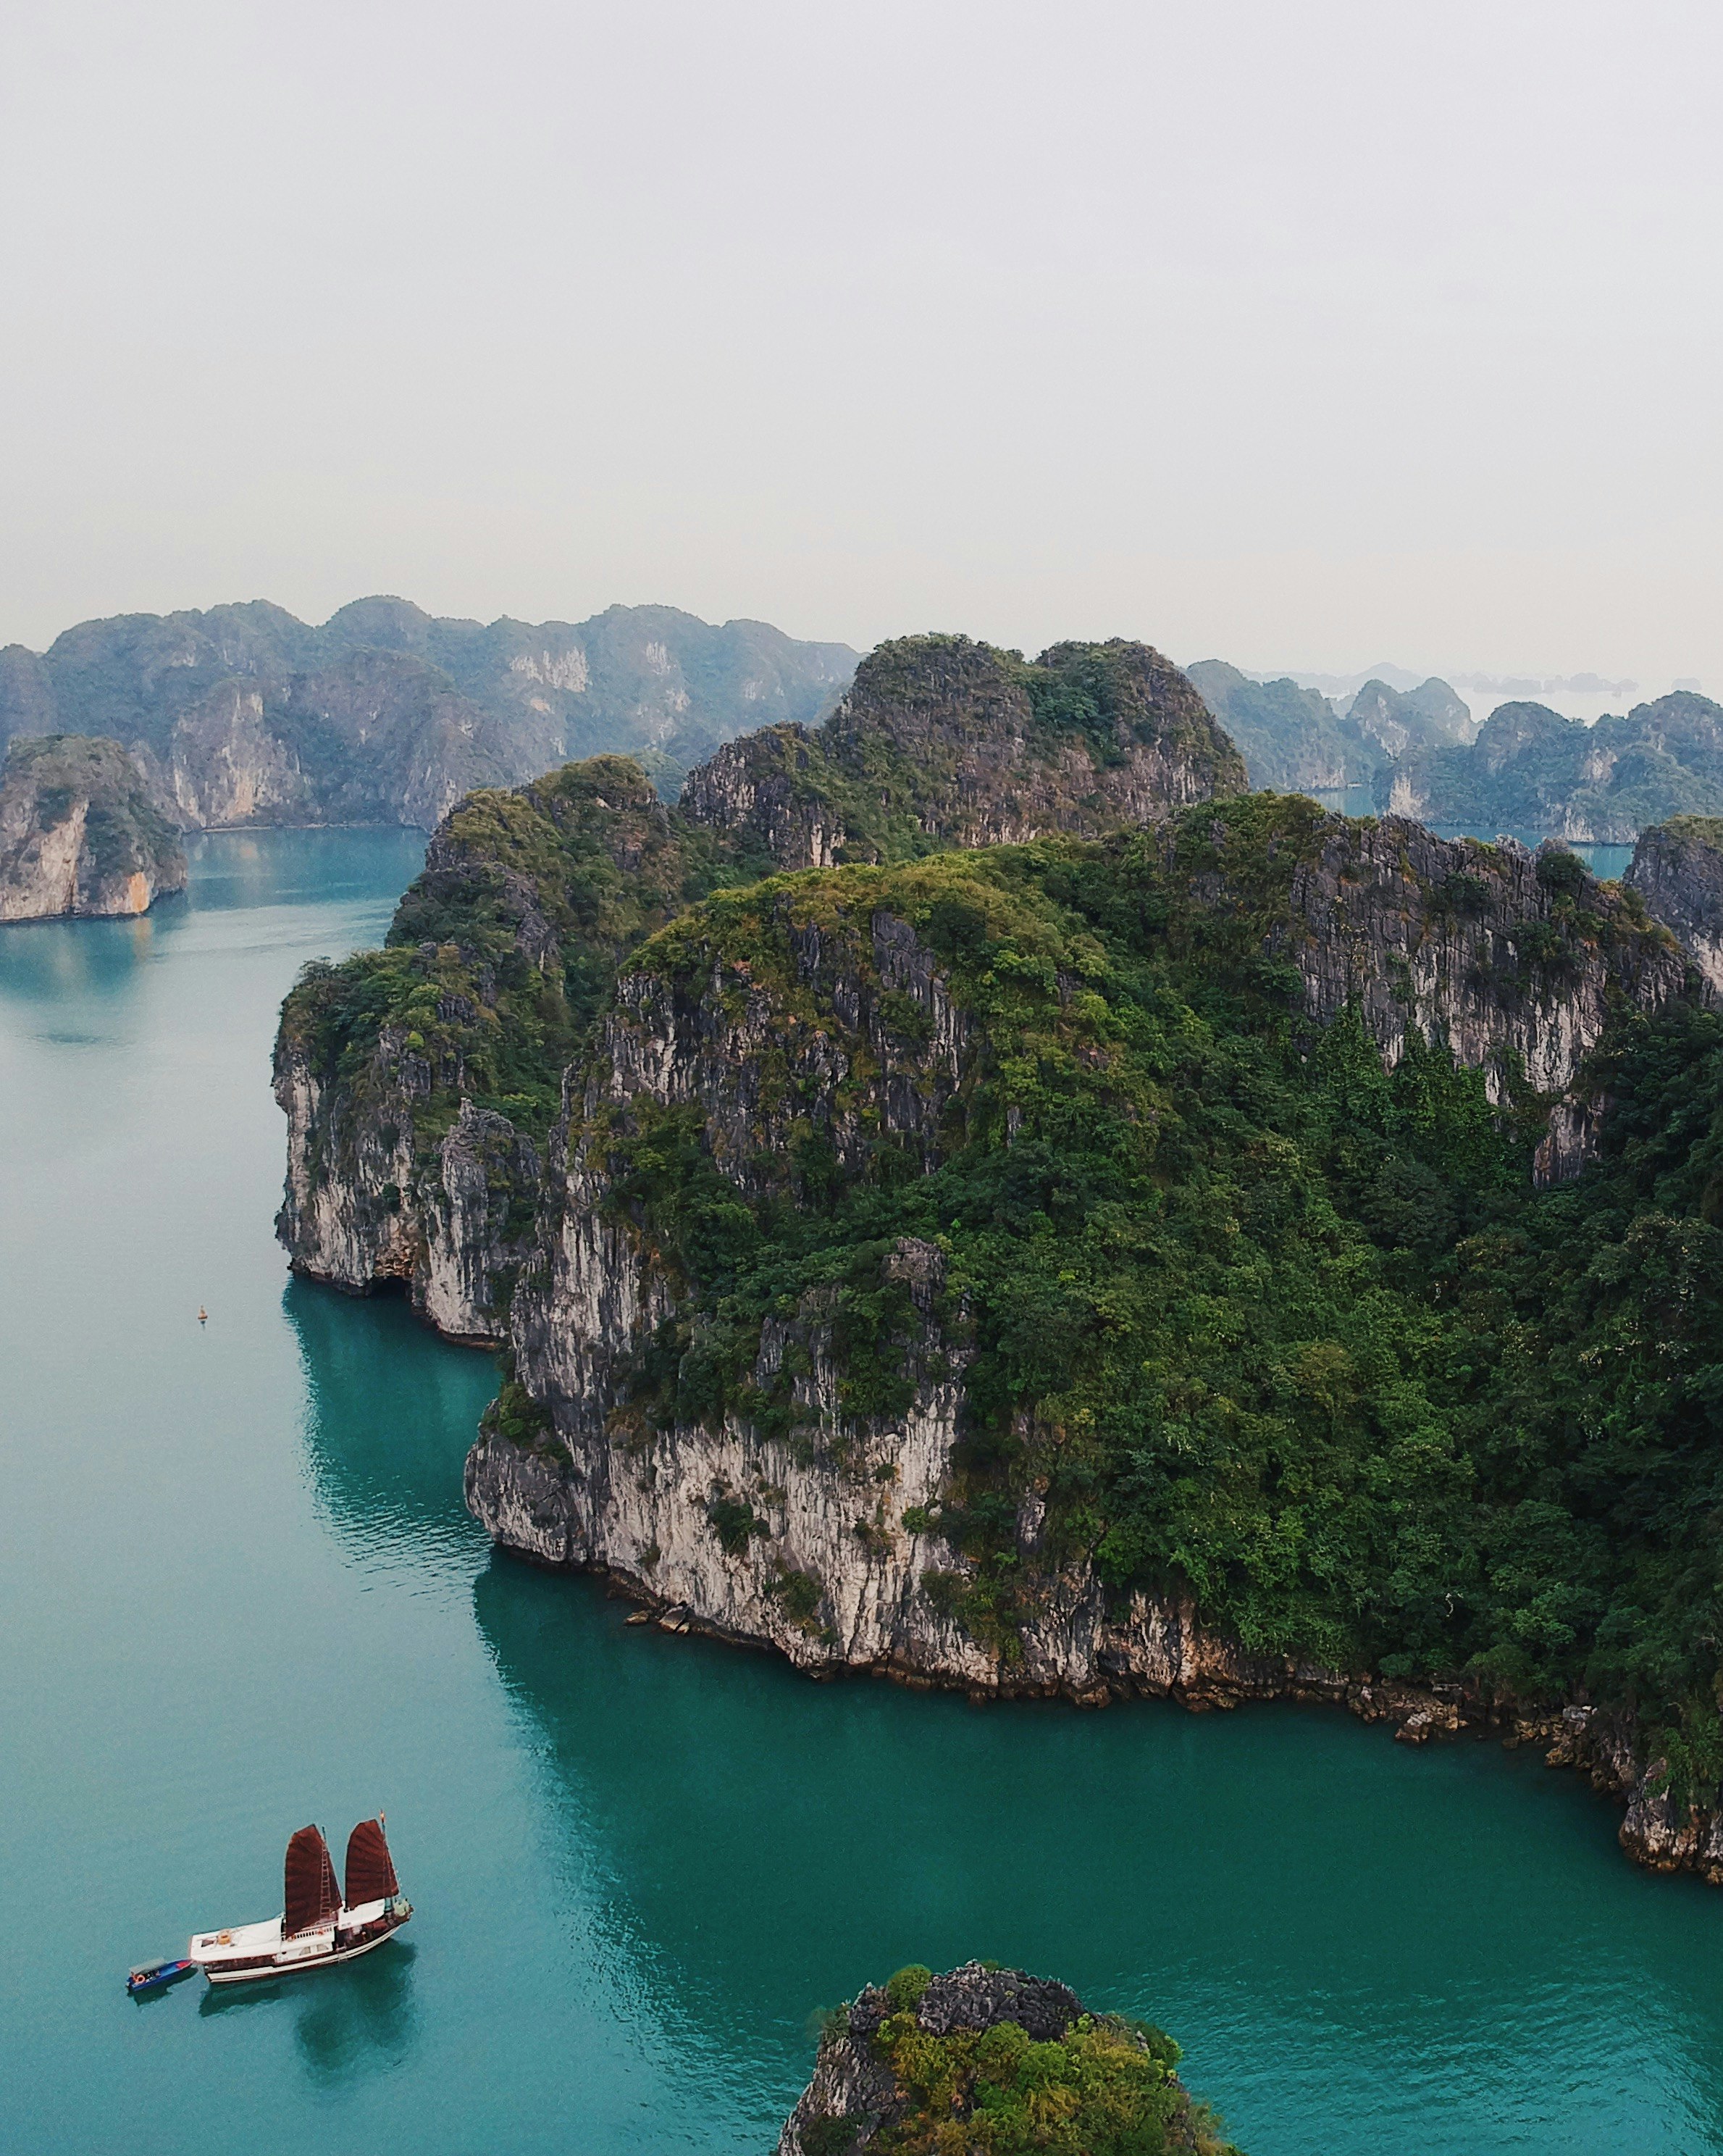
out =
column 390, row 1412
column 83, row 976
column 1320, row 1915
column 1335, row 1926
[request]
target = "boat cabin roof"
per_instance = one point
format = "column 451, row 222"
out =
column 240, row 1942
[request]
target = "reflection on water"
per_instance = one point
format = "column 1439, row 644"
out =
column 1348, row 1937
column 359, row 2016
column 72, row 969
column 246, row 870
column 238, row 1590
column 390, row 1412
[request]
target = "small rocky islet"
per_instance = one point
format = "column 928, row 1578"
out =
column 992, row 2061
column 80, row 835
column 970, row 1194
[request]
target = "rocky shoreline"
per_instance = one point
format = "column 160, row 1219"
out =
column 78, row 835
column 1094, row 1657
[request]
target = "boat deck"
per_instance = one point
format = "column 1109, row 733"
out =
column 244, row 1948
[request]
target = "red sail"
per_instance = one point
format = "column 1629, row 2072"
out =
column 371, row 1875
column 312, row 1895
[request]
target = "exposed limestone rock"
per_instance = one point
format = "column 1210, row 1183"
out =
column 79, row 833
column 395, row 1171
column 224, row 765
column 1678, row 870
column 1531, row 768
column 360, row 1213
column 1455, row 938
column 1375, row 922
column 1293, row 739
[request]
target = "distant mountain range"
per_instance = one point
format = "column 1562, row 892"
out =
column 1527, row 767
column 244, row 715
column 1530, row 769
column 1296, row 739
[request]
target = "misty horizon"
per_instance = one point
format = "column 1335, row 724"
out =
column 855, row 321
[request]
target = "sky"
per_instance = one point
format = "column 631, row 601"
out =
column 1304, row 336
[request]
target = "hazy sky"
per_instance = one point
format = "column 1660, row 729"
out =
column 1303, row 334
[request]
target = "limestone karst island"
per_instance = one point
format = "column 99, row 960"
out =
column 861, row 1079
column 971, row 1193
column 942, row 1165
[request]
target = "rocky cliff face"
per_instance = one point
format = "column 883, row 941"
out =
column 795, row 1459
column 936, row 2030
column 419, row 1082
column 1398, row 721
column 79, row 833
column 1463, row 940
column 831, row 1038
column 372, row 1202
column 945, row 743
column 859, row 1043
column 1678, row 870
column 244, row 715
column 1292, row 739
column 913, row 1255
column 1296, row 741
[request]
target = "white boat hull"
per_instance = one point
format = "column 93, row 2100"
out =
column 254, row 1953
column 302, row 1964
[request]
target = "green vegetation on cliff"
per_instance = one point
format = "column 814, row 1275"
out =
column 1256, row 1319
column 1104, row 2088
column 985, row 2062
column 1531, row 768
column 943, row 741
column 502, row 953
column 1291, row 738
column 385, row 713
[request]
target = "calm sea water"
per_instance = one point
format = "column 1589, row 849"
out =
column 238, row 1591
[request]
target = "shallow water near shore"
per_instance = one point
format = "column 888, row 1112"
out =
column 239, row 1591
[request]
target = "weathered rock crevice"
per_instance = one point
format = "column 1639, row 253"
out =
column 368, row 1208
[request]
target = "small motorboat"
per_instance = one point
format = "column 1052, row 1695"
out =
column 319, row 1926
column 157, row 1975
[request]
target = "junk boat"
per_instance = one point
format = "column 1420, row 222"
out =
column 318, row 1926
column 157, row 1975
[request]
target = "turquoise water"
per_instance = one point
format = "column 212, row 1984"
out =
column 238, row 1592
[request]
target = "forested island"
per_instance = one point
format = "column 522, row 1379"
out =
column 1196, row 1244
column 1531, row 767
column 1295, row 739
column 243, row 715
column 998, row 2061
